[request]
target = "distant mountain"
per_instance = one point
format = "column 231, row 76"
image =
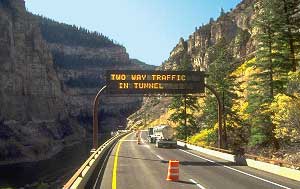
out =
column 143, row 65
column 81, row 58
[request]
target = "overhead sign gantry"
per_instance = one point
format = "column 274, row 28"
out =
column 129, row 82
column 154, row 82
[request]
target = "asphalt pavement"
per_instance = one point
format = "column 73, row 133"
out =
column 143, row 166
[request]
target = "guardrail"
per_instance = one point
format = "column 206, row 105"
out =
column 84, row 173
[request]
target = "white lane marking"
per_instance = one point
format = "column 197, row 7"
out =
column 197, row 184
column 159, row 157
column 242, row 172
column 143, row 141
column 147, row 146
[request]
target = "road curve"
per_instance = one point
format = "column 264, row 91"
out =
column 134, row 166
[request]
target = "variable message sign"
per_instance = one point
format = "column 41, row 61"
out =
column 154, row 82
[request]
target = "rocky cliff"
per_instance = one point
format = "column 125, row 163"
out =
column 81, row 68
column 48, row 81
column 33, row 119
column 234, row 27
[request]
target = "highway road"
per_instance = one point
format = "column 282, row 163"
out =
column 134, row 166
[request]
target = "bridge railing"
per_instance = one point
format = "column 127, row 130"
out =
column 85, row 172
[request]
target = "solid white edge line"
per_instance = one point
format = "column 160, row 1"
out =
column 197, row 184
column 242, row 172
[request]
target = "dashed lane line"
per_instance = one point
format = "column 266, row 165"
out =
column 197, row 184
column 159, row 157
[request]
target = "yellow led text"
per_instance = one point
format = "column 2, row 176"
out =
column 138, row 77
column 147, row 86
column 168, row 77
column 118, row 77
column 123, row 85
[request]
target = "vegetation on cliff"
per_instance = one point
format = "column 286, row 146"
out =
column 259, row 105
column 77, row 62
column 55, row 32
column 259, row 90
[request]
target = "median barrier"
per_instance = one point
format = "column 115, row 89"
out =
column 226, row 156
column 264, row 166
column 83, row 175
column 275, row 169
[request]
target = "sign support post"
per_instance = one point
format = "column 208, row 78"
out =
column 125, row 82
column 95, row 119
column 220, row 113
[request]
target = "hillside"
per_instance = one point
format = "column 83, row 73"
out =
column 234, row 27
column 81, row 58
column 251, row 55
column 143, row 65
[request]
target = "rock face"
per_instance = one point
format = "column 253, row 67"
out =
column 81, row 70
column 47, row 88
column 33, row 117
column 233, row 27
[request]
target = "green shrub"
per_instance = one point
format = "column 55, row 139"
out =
column 206, row 137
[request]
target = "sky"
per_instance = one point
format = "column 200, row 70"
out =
column 149, row 29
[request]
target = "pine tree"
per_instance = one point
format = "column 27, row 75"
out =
column 219, row 72
column 222, row 13
column 290, row 15
column 181, row 103
column 272, row 67
column 186, row 120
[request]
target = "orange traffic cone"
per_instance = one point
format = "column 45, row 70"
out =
column 173, row 170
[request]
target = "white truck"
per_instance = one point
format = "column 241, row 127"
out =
column 163, row 136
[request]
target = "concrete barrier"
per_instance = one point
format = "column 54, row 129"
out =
column 275, row 169
column 268, row 167
column 228, row 157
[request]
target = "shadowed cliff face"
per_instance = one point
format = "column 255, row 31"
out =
column 81, row 69
column 33, row 116
column 27, row 74
column 45, row 96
